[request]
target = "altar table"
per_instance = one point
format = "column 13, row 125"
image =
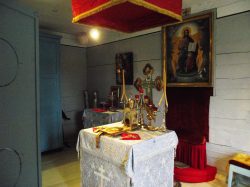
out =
column 93, row 118
column 147, row 162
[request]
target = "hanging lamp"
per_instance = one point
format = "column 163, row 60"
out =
column 126, row 15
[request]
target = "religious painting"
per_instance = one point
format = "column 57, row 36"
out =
column 188, row 52
column 124, row 61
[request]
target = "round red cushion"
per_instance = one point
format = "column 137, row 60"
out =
column 195, row 175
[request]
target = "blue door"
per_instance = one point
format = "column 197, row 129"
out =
column 50, row 99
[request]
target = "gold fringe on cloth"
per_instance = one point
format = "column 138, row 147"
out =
column 136, row 2
column 156, row 8
column 110, row 131
column 97, row 9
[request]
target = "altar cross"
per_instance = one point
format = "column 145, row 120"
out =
column 101, row 175
column 148, row 84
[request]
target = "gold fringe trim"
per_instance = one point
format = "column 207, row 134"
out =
column 156, row 8
column 97, row 9
column 102, row 27
column 136, row 2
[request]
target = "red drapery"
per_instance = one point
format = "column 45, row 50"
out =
column 188, row 113
column 193, row 155
column 126, row 16
column 79, row 7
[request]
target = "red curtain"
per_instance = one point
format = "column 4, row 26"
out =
column 188, row 112
column 193, row 155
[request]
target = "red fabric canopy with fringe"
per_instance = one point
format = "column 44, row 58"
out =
column 126, row 15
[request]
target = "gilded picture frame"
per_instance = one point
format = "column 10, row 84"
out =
column 188, row 52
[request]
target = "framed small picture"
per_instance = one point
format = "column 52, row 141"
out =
column 124, row 61
column 188, row 51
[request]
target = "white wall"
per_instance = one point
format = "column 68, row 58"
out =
column 229, row 118
column 73, row 82
column 101, row 62
column 79, row 40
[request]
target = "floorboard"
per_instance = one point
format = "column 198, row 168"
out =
column 61, row 169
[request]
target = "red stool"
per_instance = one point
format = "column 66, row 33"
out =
column 193, row 175
column 193, row 153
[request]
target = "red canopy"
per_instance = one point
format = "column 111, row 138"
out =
column 126, row 15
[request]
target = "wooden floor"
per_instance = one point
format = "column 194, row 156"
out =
column 218, row 182
column 62, row 169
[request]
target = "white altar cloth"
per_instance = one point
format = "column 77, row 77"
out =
column 148, row 162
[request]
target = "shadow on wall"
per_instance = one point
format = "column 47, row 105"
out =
column 72, row 126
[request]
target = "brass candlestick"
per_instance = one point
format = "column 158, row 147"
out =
column 124, row 97
column 164, row 88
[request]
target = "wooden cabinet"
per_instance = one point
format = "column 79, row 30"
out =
column 50, row 98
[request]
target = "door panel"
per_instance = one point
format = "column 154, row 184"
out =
column 18, row 97
column 50, row 99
